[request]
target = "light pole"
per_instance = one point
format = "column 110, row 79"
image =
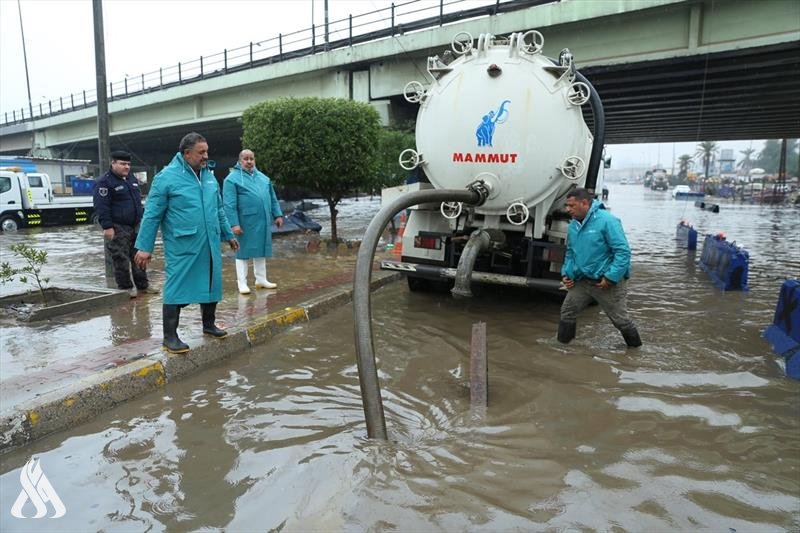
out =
column 25, row 58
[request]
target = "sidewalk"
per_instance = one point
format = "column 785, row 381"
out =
column 59, row 373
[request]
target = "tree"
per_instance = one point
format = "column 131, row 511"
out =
column 770, row 156
column 34, row 259
column 324, row 144
column 684, row 165
column 747, row 163
column 389, row 173
column 707, row 153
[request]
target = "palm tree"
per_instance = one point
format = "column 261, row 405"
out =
column 707, row 153
column 684, row 164
column 747, row 163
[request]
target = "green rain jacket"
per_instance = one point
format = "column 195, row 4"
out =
column 193, row 225
column 250, row 202
column 597, row 247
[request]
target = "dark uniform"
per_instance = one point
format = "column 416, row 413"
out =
column 118, row 205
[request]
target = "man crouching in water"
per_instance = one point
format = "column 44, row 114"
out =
column 184, row 201
column 596, row 267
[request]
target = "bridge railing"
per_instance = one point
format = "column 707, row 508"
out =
column 401, row 17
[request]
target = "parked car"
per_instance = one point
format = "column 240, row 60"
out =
column 680, row 189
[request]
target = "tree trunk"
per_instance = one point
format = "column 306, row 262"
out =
column 334, row 212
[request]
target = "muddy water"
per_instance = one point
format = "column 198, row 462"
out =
column 696, row 430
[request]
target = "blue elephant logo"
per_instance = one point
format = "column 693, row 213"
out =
column 485, row 131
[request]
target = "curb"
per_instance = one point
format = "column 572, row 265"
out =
column 92, row 395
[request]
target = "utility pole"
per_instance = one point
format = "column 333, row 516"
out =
column 102, row 110
column 25, row 58
column 100, row 70
column 326, row 24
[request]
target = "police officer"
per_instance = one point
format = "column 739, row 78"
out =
column 118, row 205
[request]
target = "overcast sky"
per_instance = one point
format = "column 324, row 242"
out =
column 143, row 35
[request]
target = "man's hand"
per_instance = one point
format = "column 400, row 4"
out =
column 237, row 230
column 568, row 283
column 142, row 259
column 605, row 283
column 108, row 234
column 279, row 221
column 234, row 245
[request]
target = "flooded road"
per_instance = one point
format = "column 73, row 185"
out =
column 698, row 429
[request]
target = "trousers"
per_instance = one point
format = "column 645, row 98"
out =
column 121, row 250
column 614, row 301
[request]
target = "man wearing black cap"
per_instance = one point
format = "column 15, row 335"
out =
column 118, row 205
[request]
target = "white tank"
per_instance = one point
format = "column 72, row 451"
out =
column 503, row 113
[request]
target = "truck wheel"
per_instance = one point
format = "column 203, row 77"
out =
column 9, row 223
column 417, row 284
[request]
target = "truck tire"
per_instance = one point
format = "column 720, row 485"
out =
column 9, row 223
column 416, row 284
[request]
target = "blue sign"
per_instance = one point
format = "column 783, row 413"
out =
column 485, row 131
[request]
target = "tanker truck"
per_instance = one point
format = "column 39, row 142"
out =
column 500, row 114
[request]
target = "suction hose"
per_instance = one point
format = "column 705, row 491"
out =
column 599, row 133
column 477, row 243
column 475, row 194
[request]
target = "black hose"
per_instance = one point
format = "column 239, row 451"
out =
column 477, row 243
column 362, row 311
column 599, row 133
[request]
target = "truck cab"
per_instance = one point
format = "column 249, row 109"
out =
column 26, row 200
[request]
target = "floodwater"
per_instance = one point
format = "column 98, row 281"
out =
column 696, row 430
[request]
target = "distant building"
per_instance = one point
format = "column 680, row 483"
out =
column 727, row 163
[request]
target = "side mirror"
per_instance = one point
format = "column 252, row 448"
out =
column 607, row 162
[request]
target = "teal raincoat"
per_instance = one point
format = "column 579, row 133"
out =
column 250, row 202
column 597, row 247
column 193, row 225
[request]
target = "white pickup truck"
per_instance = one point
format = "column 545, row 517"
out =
column 27, row 200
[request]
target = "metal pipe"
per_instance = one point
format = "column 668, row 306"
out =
column 437, row 272
column 478, row 242
column 365, row 352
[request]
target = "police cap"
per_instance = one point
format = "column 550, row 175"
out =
column 120, row 155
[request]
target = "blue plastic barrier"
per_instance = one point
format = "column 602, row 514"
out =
column 784, row 333
column 82, row 187
column 725, row 263
column 686, row 235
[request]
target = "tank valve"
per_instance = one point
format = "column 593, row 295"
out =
column 578, row 93
column 517, row 213
column 414, row 92
column 462, row 43
column 531, row 42
column 409, row 159
column 572, row 168
column 450, row 210
column 494, row 70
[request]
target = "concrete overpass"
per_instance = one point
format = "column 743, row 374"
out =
column 667, row 70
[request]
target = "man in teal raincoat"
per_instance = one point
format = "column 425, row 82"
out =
column 251, row 205
column 184, row 201
column 596, row 267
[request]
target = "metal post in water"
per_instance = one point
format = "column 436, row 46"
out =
column 478, row 367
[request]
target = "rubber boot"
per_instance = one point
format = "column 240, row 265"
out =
column 566, row 331
column 209, row 312
column 631, row 336
column 260, row 268
column 171, row 316
column 241, row 276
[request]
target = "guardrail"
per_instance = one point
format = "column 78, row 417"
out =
column 399, row 18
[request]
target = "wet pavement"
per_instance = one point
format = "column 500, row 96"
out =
column 39, row 357
column 698, row 429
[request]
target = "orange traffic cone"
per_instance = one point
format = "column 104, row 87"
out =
column 398, row 243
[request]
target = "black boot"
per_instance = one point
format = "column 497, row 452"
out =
column 171, row 316
column 566, row 331
column 631, row 336
column 209, row 312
